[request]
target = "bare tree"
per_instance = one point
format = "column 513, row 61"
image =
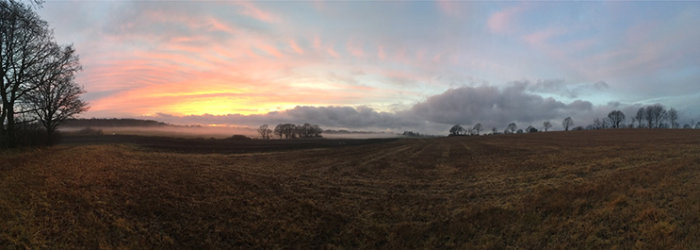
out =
column 36, row 74
column 25, row 41
column 511, row 128
column 477, row 128
column 640, row 117
column 672, row 115
column 697, row 125
column 597, row 124
column 547, row 125
column 567, row 123
column 265, row 131
column 57, row 96
column 279, row 130
column 456, row 130
column 616, row 118
column 654, row 115
column 307, row 130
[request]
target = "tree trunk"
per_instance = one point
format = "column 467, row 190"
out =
column 10, row 129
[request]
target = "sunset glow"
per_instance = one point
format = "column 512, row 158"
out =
column 251, row 58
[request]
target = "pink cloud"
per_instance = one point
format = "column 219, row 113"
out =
column 295, row 47
column 451, row 8
column 502, row 21
column 355, row 49
column 216, row 25
column 380, row 52
column 249, row 9
column 270, row 50
column 332, row 52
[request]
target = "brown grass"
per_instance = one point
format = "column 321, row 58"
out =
column 586, row 189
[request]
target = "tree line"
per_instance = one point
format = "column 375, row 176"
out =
column 290, row 131
column 652, row 116
column 38, row 89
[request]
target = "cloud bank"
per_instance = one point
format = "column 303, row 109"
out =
column 491, row 106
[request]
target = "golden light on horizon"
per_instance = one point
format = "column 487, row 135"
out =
column 224, row 106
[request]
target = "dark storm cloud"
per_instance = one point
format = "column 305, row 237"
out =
column 494, row 106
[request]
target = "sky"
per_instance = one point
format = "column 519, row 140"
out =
column 384, row 66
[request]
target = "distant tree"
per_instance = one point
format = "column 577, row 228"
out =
column 567, row 123
column 697, row 125
column 469, row 131
column 278, row 131
column 616, row 118
column 640, row 117
column 316, row 131
column 686, row 126
column 265, row 132
column 531, row 129
column 287, row 130
column 597, row 124
column 673, row 117
column 547, row 125
column 577, row 128
column 307, row 130
column 494, row 130
column 456, row 130
column 477, row 128
column 411, row 134
column 511, row 128
column 654, row 115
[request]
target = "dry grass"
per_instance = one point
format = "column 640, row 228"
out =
column 587, row 189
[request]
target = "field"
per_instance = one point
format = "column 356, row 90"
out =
column 585, row 189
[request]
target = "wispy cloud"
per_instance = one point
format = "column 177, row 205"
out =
column 190, row 58
column 503, row 21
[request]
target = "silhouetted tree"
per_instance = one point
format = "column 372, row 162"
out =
column 28, row 60
column 616, row 118
column 531, row 129
column 57, row 96
column 547, row 125
column 287, row 130
column 654, row 115
column 511, row 128
column 411, row 134
column 307, row 130
column 673, row 117
column 291, row 131
column 640, row 116
column 477, row 128
column 265, row 132
column 456, row 130
column 597, row 124
column 697, row 125
column 567, row 123
column 686, row 126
